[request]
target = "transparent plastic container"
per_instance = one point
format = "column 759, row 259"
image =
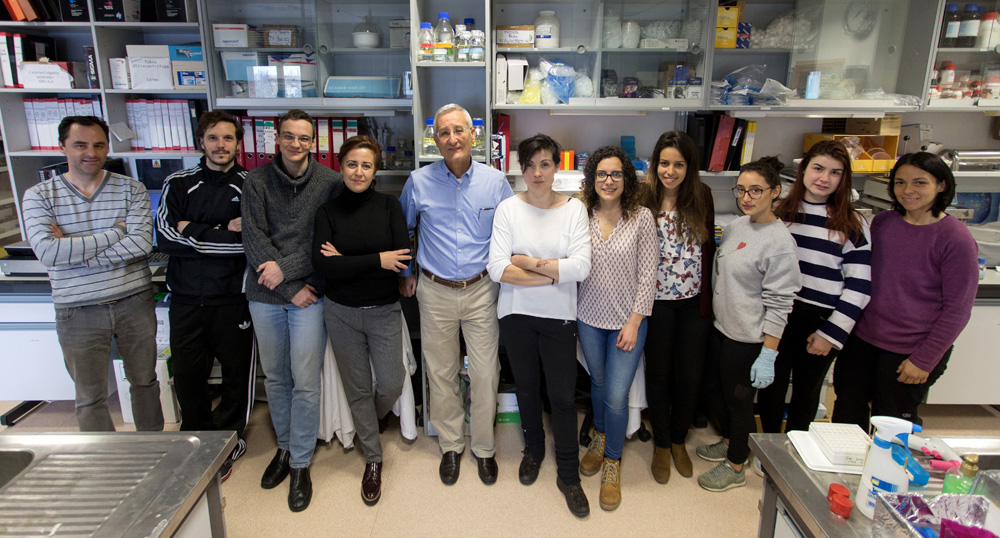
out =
column 479, row 146
column 463, row 46
column 428, row 147
column 477, row 46
column 425, row 42
column 444, row 39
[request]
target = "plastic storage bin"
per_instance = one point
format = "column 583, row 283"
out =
column 369, row 87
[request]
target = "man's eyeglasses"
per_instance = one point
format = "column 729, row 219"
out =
column 458, row 131
column 754, row 192
column 289, row 138
column 615, row 176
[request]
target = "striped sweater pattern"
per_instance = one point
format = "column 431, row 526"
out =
column 833, row 276
column 97, row 260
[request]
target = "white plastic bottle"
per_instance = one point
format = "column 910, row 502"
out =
column 546, row 30
column 479, row 140
column 428, row 147
column 426, row 40
column 444, row 44
column 881, row 472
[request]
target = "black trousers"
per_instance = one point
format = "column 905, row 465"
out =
column 534, row 344
column 676, row 344
column 730, row 394
column 865, row 373
column 198, row 336
column 807, row 379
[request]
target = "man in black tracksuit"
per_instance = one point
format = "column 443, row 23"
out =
column 198, row 224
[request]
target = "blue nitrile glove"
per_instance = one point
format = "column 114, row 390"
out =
column 762, row 371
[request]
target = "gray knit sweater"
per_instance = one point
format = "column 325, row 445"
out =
column 756, row 278
column 278, row 216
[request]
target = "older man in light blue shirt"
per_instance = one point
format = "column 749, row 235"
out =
column 451, row 204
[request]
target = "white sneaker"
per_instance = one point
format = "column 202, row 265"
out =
column 757, row 468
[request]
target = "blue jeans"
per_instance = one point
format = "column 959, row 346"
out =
column 611, row 373
column 292, row 342
column 85, row 337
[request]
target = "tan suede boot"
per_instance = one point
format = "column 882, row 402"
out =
column 681, row 459
column 591, row 461
column 611, row 486
column 661, row 465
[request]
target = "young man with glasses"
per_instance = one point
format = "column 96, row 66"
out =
column 199, row 225
column 451, row 203
column 280, row 200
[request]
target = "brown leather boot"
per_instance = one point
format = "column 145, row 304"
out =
column 681, row 459
column 661, row 465
column 611, row 486
column 591, row 461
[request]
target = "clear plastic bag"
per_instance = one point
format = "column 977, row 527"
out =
column 584, row 86
column 532, row 94
column 559, row 78
column 612, row 38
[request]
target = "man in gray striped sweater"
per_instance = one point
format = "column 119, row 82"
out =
column 92, row 230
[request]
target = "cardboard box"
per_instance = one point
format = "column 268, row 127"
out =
column 186, row 53
column 399, row 34
column 522, row 36
column 176, row 11
column 727, row 16
column 151, row 73
column 725, row 37
column 517, row 70
column 501, row 82
column 120, row 79
column 49, row 75
column 235, row 35
column 168, row 398
column 147, row 51
column 189, row 75
column 116, row 11
column 890, row 124
column 74, row 10
column 235, row 64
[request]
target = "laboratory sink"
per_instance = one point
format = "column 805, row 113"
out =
column 12, row 462
column 111, row 484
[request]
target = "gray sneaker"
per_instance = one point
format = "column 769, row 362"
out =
column 723, row 477
column 716, row 452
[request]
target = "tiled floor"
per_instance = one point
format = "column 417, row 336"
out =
column 415, row 503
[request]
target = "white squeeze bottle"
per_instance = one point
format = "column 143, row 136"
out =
column 881, row 472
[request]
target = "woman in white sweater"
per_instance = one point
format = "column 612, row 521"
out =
column 539, row 251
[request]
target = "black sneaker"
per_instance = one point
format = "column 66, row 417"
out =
column 576, row 499
column 241, row 448
column 226, row 469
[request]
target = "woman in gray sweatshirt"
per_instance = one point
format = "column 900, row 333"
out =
column 756, row 279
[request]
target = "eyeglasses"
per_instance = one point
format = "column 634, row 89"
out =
column 458, row 131
column 616, row 176
column 754, row 192
column 289, row 138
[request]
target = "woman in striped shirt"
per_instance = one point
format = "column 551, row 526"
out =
column 834, row 249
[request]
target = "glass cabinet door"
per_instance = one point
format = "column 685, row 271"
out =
column 826, row 54
column 611, row 54
column 966, row 69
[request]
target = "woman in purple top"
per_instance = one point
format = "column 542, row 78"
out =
column 924, row 281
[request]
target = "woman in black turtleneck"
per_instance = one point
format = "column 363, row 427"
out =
column 361, row 243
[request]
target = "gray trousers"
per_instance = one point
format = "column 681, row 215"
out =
column 85, row 337
column 367, row 340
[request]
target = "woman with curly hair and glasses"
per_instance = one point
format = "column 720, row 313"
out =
column 614, row 302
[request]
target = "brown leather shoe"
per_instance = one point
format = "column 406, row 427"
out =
column 661, row 465
column 681, row 459
column 371, row 483
column 611, row 486
column 591, row 461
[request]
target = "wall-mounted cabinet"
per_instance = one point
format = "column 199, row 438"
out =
column 70, row 41
column 966, row 69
